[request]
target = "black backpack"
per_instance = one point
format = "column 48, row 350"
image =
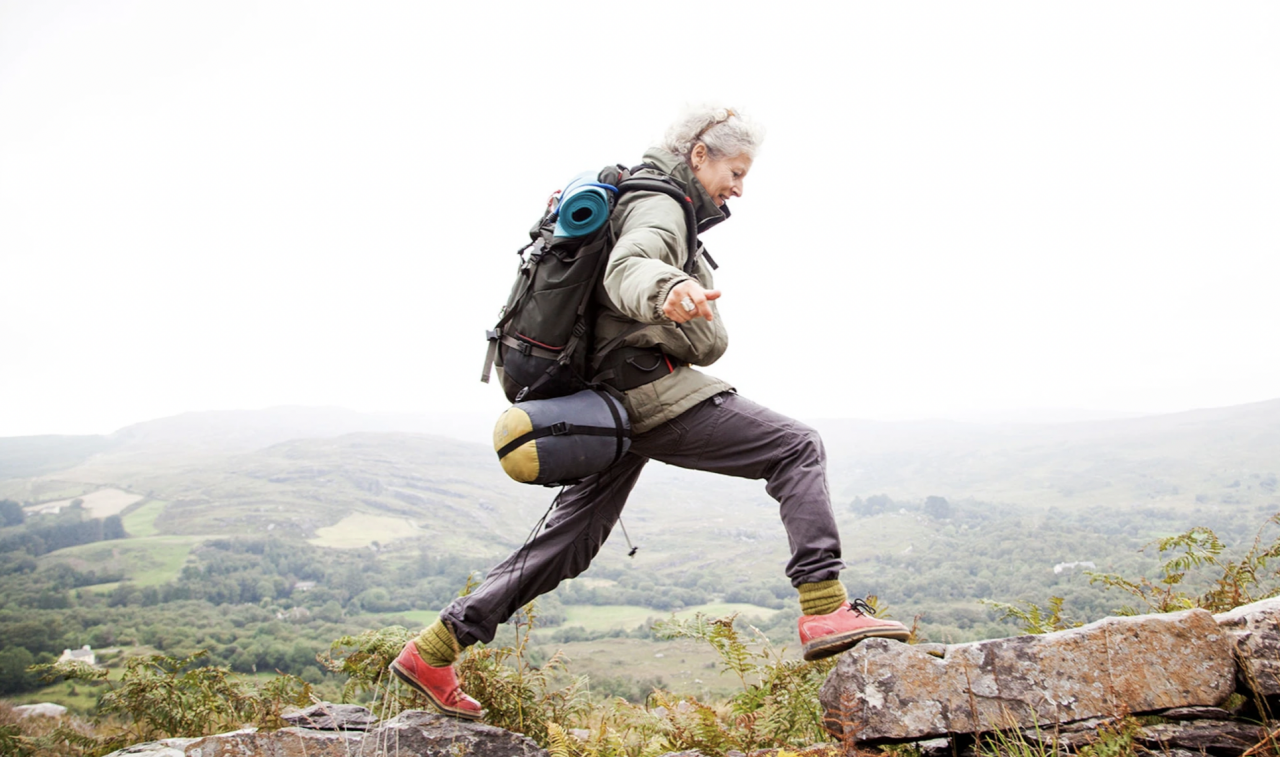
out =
column 543, row 340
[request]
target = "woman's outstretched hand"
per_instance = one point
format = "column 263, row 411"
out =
column 688, row 300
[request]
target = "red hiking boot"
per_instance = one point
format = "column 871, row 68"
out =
column 439, row 685
column 825, row 635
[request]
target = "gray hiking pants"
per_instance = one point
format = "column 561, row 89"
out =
column 726, row 434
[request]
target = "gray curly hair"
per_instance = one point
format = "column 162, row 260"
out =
column 725, row 131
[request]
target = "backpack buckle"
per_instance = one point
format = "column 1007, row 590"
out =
column 558, row 429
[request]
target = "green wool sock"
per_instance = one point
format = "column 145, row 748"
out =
column 437, row 645
column 822, row 598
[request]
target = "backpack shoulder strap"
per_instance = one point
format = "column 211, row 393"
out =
column 669, row 188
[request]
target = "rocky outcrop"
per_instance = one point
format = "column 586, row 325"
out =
column 887, row 690
column 411, row 734
column 325, row 716
column 1255, row 630
column 421, row 733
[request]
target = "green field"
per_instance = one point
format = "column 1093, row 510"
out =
column 683, row 666
column 80, row 697
column 598, row 618
column 885, row 534
column 36, row 491
column 69, row 492
column 609, row 617
column 359, row 530
column 412, row 619
column 142, row 521
column 149, row 561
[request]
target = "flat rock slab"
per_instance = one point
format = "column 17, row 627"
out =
column 250, row 742
column 1196, row 713
column 885, row 690
column 164, row 748
column 1255, row 629
column 1051, row 742
column 410, row 734
column 422, row 733
column 325, row 716
column 1215, row 737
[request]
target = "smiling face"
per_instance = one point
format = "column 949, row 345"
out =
column 723, row 177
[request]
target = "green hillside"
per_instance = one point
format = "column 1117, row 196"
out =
column 147, row 561
column 264, row 555
column 1225, row 456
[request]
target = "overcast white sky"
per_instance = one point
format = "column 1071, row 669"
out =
column 961, row 209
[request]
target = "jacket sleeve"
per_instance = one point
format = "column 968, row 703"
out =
column 646, row 261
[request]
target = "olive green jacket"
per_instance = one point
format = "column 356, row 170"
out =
column 646, row 264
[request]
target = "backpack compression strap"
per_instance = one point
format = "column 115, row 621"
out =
column 669, row 188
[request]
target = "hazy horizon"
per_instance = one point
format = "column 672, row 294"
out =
column 477, row 427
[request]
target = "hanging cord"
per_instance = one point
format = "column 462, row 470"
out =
column 522, row 552
column 524, row 548
column 632, row 550
column 555, row 502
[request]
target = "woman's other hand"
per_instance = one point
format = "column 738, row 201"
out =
column 688, row 300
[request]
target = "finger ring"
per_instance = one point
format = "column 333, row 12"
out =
column 688, row 305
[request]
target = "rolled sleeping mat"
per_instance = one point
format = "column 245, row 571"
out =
column 584, row 206
column 562, row 440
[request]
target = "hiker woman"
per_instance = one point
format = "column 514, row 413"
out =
column 681, row 416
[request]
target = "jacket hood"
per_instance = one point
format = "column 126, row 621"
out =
column 705, row 209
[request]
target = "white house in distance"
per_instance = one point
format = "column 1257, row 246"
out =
column 83, row 654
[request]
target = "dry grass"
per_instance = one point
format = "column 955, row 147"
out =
column 97, row 504
column 359, row 530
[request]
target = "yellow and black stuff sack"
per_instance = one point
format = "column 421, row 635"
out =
column 562, row 440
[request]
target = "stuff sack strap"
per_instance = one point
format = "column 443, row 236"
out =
column 558, row 429
column 555, row 429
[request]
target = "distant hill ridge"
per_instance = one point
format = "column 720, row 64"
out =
column 1187, row 455
column 257, row 429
